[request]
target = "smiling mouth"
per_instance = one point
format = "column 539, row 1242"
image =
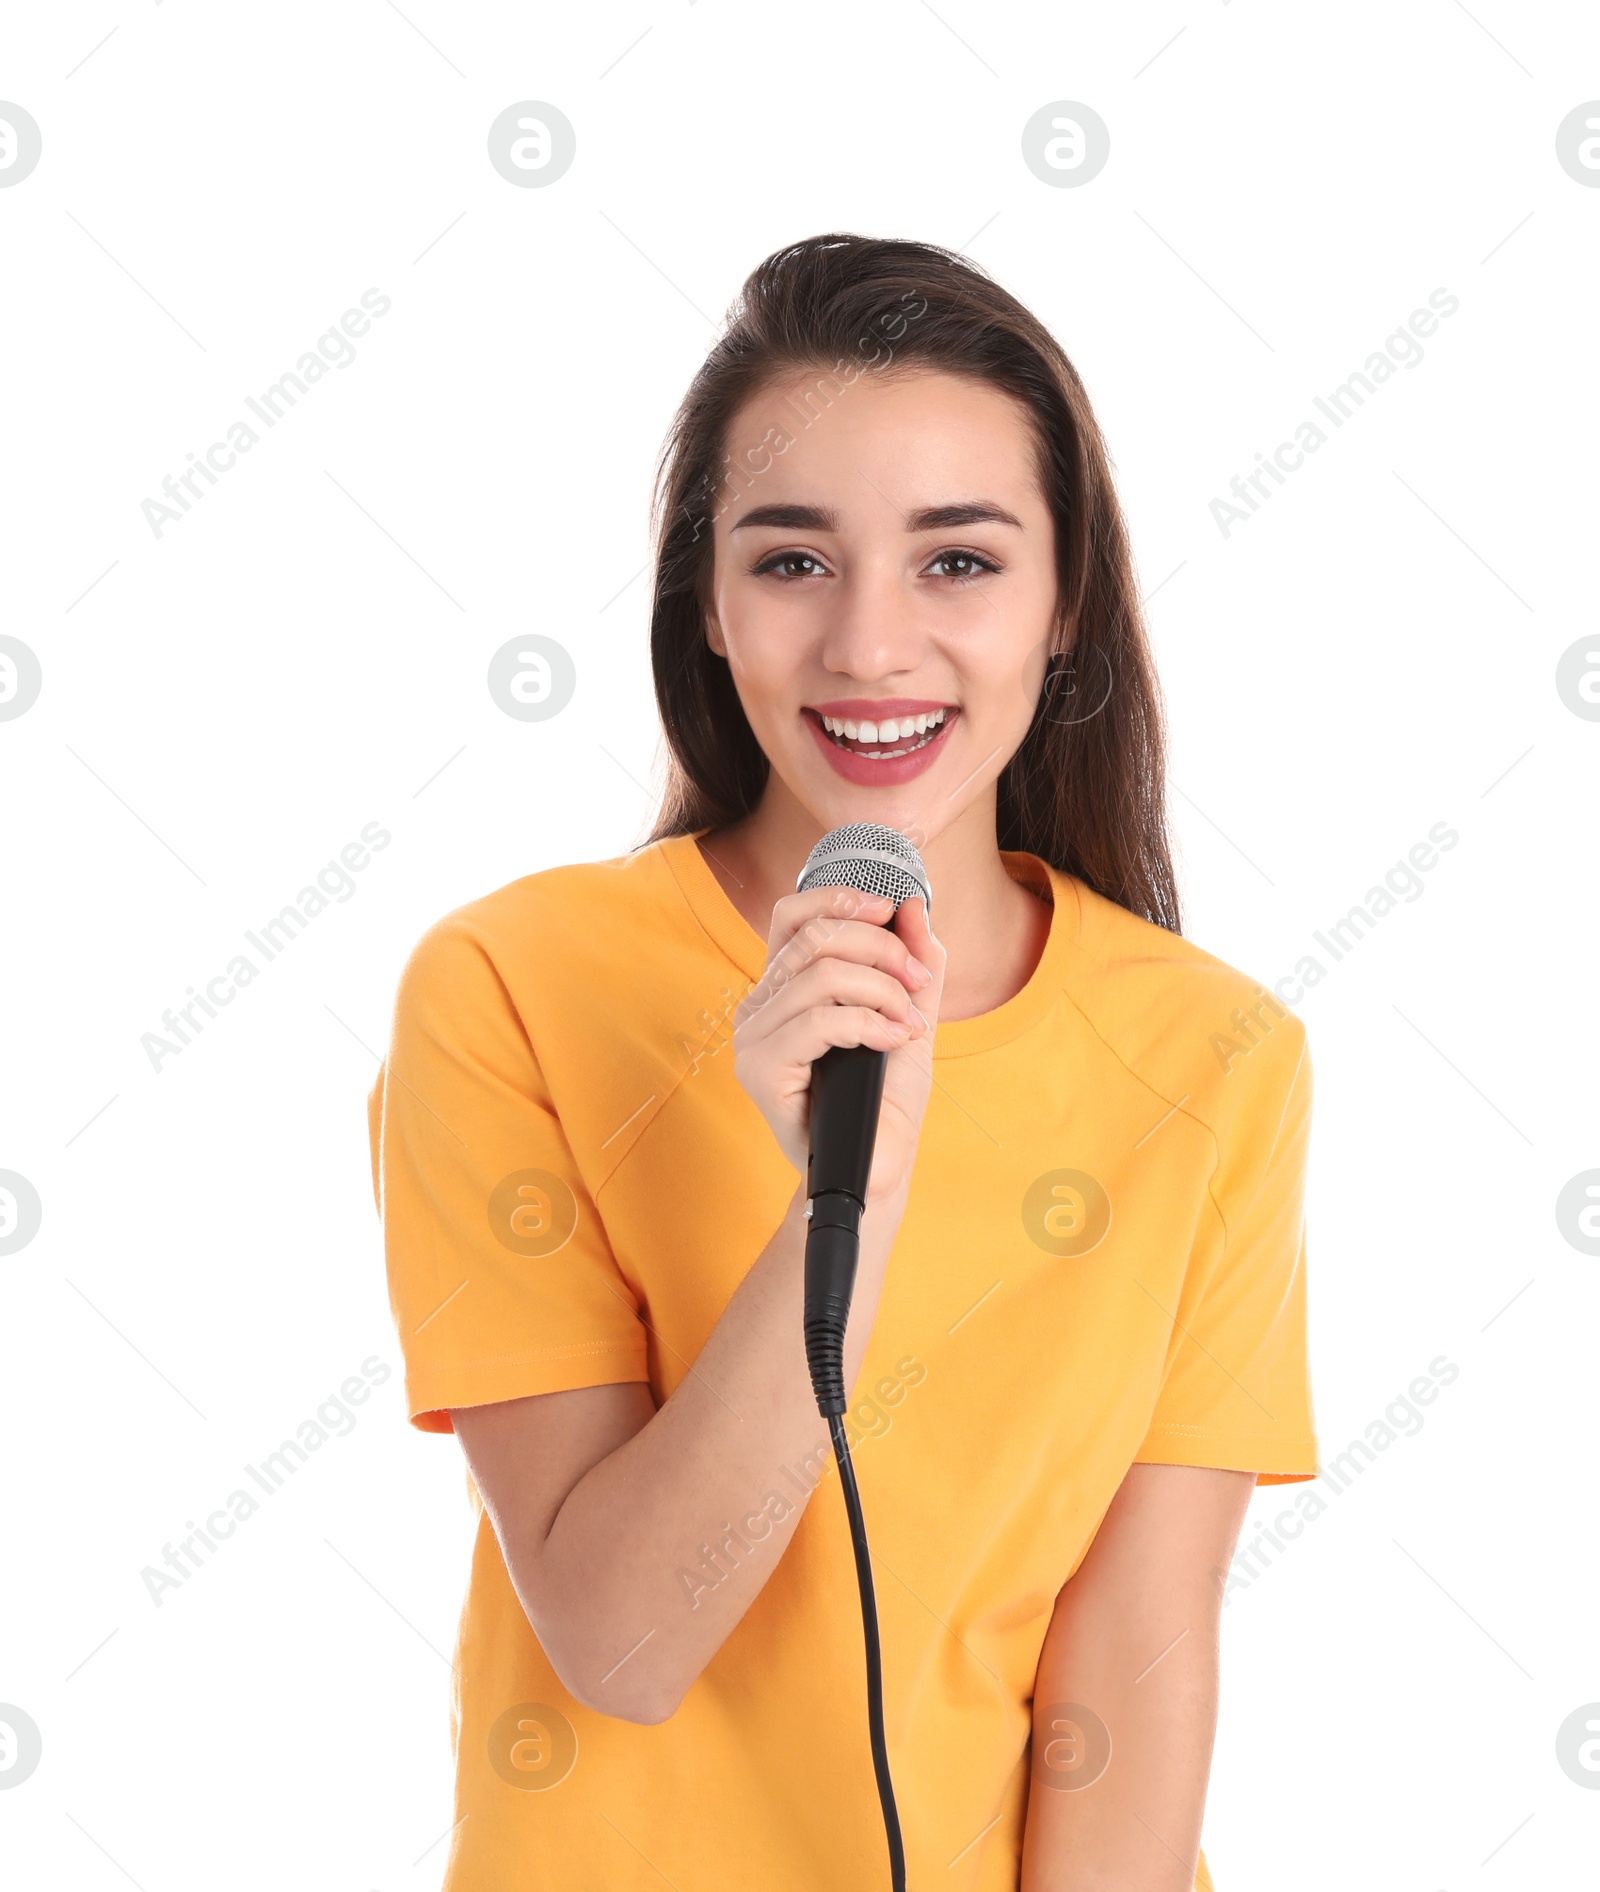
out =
column 886, row 742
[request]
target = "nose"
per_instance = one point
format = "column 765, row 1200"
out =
column 874, row 627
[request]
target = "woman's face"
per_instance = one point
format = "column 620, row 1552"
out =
column 884, row 592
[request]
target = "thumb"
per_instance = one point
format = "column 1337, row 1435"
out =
column 912, row 925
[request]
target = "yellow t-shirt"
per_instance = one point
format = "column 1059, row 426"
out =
column 1102, row 1261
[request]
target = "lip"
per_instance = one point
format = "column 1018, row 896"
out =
column 874, row 709
column 861, row 769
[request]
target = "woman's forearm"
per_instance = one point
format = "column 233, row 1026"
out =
column 1125, row 1697
column 662, row 1545
column 1136, row 1826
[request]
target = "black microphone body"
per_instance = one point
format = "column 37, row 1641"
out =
column 846, row 1095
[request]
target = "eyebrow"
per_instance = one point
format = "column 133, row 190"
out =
column 967, row 512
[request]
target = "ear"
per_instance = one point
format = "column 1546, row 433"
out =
column 714, row 636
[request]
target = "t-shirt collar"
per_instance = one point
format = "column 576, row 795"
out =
column 733, row 934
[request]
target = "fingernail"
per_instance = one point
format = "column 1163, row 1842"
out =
column 918, row 970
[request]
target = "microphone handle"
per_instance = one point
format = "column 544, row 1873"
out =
column 846, row 1096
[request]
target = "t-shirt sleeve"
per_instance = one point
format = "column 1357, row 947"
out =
column 1236, row 1392
column 502, row 1282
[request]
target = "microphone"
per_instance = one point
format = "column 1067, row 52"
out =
column 846, row 1093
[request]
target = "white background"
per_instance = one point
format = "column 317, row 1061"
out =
column 225, row 706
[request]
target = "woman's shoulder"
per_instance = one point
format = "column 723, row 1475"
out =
column 622, row 883
column 1181, row 1017
column 570, row 926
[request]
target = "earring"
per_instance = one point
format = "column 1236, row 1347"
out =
column 1060, row 680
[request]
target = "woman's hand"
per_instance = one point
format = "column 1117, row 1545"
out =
column 837, row 976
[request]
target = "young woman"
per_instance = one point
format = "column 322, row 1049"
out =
column 892, row 584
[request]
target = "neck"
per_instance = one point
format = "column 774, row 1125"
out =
column 975, row 901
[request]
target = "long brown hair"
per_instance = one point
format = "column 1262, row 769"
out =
column 1085, row 790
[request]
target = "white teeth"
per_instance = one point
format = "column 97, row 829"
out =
column 893, row 729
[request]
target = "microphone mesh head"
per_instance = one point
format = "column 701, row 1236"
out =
column 871, row 858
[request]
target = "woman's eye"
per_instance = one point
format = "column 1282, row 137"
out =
column 962, row 567
column 975, row 563
column 778, row 560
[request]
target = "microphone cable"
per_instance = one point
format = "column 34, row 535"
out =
column 833, row 1247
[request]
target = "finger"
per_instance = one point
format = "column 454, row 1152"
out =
column 804, row 1039
column 912, row 922
column 842, row 903
column 825, row 936
column 923, row 950
column 825, row 905
column 825, row 982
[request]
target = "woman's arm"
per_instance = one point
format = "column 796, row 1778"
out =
column 1134, row 1641
column 637, row 1539
column 604, row 1507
